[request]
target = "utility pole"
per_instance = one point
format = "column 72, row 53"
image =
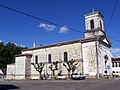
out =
column 82, row 59
column 60, row 62
column 97, row 57
column 45, row 62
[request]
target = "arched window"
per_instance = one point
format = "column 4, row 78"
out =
column 92, row 24
column 100, row 24
column 49, row 58
column 106, row 59
column 65, row 57
column 36, row 59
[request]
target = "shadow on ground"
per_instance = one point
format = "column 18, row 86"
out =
column 8, row 87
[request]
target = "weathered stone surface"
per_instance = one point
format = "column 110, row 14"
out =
column 57, row 53
column 10, row 71
column 20, row 67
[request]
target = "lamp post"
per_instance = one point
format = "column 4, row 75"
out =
column 46, row 62
column 46, row 74
column 97, row 57
column 82, row 59
column 106, row 58
column 60, row 62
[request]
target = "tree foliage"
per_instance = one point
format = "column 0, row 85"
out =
column 7, row 53
column 71, row 66
column 39, row 67
column 53, row 67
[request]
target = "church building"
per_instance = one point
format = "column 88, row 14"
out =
column 92, row 53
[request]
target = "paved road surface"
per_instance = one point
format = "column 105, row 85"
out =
column 108, row 84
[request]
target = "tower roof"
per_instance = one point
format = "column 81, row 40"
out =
column 94, row 13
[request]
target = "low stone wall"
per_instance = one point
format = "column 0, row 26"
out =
column 10, row 71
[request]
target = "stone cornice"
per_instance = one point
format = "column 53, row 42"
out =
column 83, row 40
column 95, row 30
column 94, row 13
column 26, row 54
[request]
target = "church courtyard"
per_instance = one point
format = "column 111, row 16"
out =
column 88, row 84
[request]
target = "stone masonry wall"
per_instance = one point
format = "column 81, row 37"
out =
column 20, row 67
column 89, row 54
column 10, row 71
column 57, row 53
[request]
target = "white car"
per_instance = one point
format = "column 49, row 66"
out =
column 1, row 75
column 77, row 76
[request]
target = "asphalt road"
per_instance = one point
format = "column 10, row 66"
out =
column 91, row 84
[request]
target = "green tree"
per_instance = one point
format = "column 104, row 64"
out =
column 53, row 67
column 7, row 53
column 39, row 67
column 71, row 66
column 2, row 61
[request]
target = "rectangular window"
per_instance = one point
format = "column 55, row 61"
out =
column 113, row 64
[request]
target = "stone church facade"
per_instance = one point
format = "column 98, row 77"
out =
column 92, row 53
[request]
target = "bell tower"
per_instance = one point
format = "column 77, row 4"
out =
column 94, row 24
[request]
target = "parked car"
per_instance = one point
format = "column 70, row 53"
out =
column 77, row 76
column 1, row 75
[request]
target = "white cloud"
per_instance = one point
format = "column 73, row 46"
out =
column 47, row 27
column 115, row 52
column 22, row 45
column 0, row 40
column 19, row 45
column 64, row 29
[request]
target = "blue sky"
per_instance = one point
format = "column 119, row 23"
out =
column 24, row 30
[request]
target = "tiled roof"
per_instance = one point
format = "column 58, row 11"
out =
column 26, row 54
column 64, row 43
column 115, row 59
